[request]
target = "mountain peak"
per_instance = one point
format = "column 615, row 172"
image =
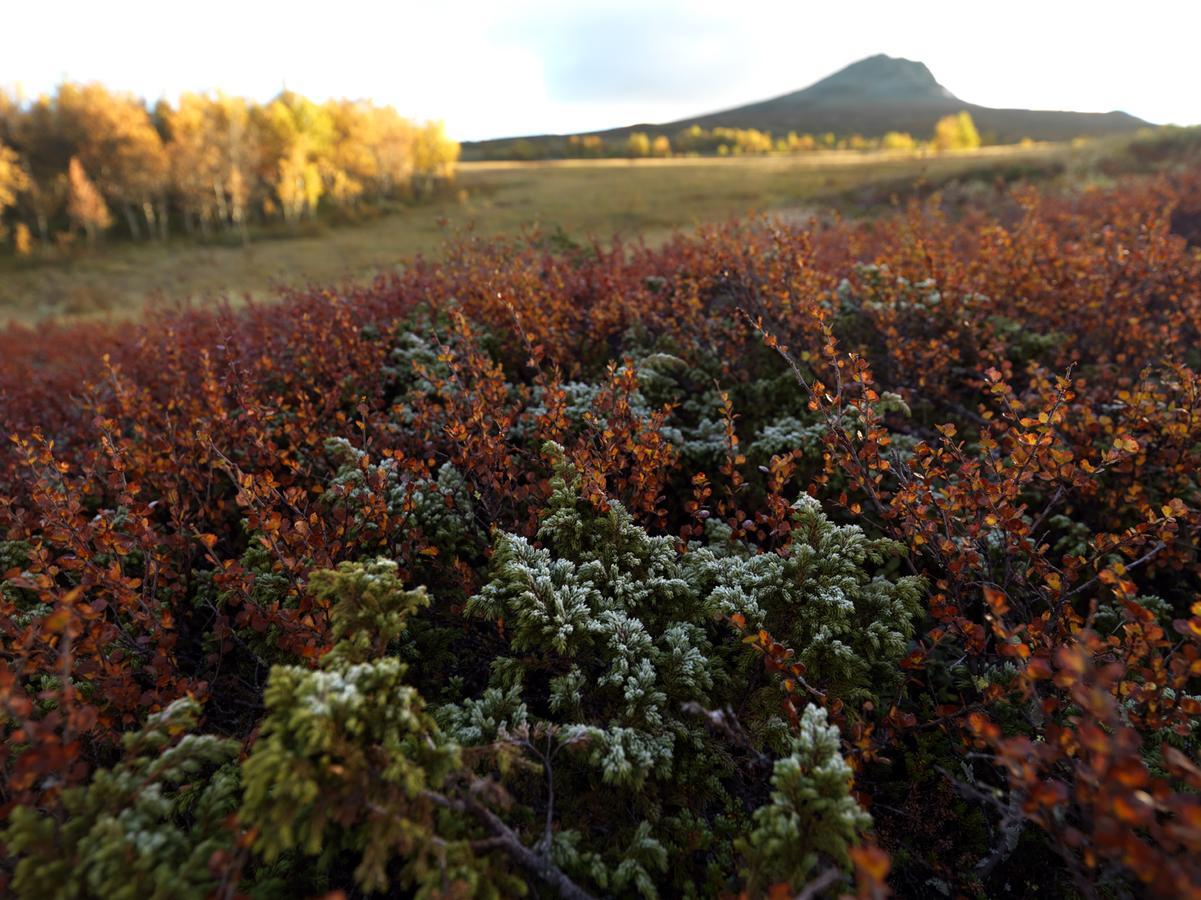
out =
column 883, row 93
column 878, row 77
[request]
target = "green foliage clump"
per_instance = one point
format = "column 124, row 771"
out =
column 606, row 611
column 14, row 556
column 440, row 508
column 811, row 813
column 148, row 827
column 346, row 752
column 369, row 608
column 849, row 628
column 614, row 639
column 588, row 750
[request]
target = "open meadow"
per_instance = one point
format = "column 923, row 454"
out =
column 584, row 198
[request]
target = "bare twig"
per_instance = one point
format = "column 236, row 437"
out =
column 818, row 885
column 725, row 723
column 505, row 839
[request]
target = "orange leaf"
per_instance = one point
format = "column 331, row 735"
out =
column 996, row 600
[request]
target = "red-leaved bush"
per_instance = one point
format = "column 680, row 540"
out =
column 1010, row 392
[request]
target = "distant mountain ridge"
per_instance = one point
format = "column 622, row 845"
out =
column 881, row 94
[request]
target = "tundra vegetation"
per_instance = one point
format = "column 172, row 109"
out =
column 840, row 558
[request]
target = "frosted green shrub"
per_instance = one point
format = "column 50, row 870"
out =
column 786, row 434
column 412, row 356
column 811, row 813
column 584, row 738
column 146, row 828
column 346, row 752
column 696, row 427
column 613, row 639
column 601, row 600
column 849, row 628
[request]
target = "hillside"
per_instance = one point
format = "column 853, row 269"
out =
column 874, row 96
column 881, row 93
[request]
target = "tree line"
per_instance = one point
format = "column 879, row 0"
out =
column 86, row 160
column 952, row 132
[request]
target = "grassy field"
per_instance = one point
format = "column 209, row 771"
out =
column 585, row 198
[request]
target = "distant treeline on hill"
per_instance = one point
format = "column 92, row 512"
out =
column 952, row 132
column 87, row 160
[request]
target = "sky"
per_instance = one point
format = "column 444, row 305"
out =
column 493, row 68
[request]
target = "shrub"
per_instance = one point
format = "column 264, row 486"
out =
column 148, row 827
column 811, row 811
column 935, row 474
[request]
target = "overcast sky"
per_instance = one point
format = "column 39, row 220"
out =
column 501, row 67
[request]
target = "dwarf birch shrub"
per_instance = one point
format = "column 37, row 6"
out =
column 598, row 696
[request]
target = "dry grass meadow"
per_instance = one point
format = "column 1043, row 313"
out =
column 584, row 198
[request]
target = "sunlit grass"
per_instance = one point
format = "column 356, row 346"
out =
column 585, row 198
